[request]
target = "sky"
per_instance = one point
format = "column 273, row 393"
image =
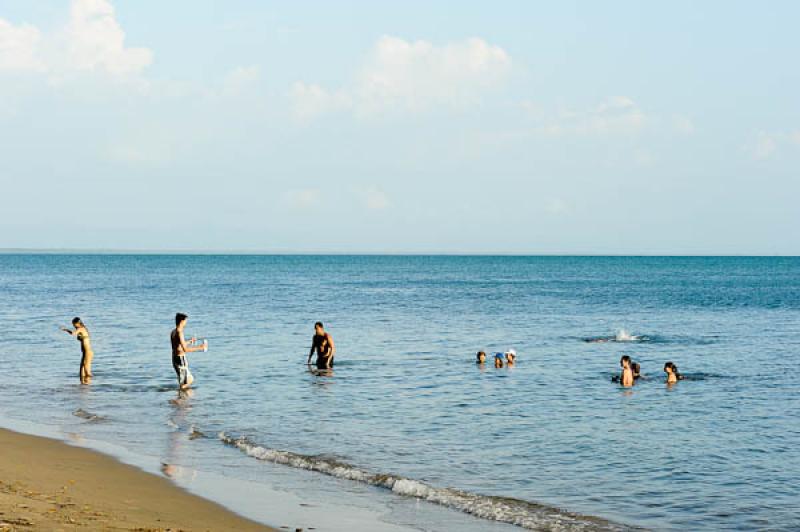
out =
column 575, row 127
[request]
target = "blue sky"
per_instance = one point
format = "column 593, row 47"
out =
column 510, row 127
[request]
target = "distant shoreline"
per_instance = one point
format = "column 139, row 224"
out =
column 313, row 253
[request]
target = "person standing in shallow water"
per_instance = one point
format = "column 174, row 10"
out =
column 179, row 349
column 80, row 332
column 322, row 344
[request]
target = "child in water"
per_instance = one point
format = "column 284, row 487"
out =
column 498, row 360
column 673, row 375
column 511, row 356
column 637, row 370
column 481, row 358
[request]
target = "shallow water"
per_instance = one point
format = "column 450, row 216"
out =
column 407, row 409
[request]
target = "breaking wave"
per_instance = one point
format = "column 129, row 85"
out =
column 525, row 514
column 622, row 336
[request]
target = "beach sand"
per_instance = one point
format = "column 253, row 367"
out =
column 49, row 485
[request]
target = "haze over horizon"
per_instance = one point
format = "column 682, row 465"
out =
column 356, row 127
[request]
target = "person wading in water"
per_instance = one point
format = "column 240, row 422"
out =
column 322, row 344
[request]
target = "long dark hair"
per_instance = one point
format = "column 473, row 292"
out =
column 674, row 369
column 77, row 321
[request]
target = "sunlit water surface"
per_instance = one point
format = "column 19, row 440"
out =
column 720, row 450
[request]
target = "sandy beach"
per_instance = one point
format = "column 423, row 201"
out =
column 49, row 485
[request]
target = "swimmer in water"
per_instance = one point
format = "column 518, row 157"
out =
column 322, row 344
column 80, row 332
column 511, row 356
column 480, row 358
column 637, row 370
column 626, row 378
column 673, row 375
column 498, row 360
column 179, row 349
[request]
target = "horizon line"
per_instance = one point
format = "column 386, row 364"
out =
column 246, row 252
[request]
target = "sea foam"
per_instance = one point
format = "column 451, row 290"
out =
column 517, row 512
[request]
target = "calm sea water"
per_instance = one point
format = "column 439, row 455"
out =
column 406, row 409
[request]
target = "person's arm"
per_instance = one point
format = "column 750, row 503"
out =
column 70, row 332
column 194, row 348
column 311, row 353
column 188, row 347
column 333, row 347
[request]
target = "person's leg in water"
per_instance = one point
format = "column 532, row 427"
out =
column 189, row 380
column 87, row 364
column 324, row 361
column 185, row 377
column 85, row 373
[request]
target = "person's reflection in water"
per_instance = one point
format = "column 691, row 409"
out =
column 181, row 405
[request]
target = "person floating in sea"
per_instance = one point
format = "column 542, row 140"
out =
column 481, row 358
column 80, row 332
column 179, row 349
column 673, row 375
column 322, row 344
column 511, row 357
column 626, row 378
column 498, row 360
column 637, row 370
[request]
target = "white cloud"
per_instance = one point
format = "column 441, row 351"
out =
column 309, row 101
column 240, row 78
column 764, row 146
column 402, row 76
column 615, row 115
column 96, row 41
column 18, row 47
column 683, row 124
column 92, row 40
column 374, row 199
column 414, row 76
column 303, row 198
column 557, row 206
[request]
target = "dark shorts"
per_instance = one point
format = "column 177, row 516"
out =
column 181, row 367
column 324, row 361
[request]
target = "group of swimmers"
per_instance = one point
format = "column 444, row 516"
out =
column 321, row 344
column 510, row 357
column 631, row 372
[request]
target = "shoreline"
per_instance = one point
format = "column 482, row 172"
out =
column 48, row 484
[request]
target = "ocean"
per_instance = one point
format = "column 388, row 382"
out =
column 408, row 433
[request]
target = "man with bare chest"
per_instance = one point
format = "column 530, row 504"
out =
column 322, row 345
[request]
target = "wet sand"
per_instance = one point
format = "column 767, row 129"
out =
column 49, row 485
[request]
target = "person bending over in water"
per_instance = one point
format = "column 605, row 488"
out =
column 511, row 357
column 673, row 375
column 179, row 349
column 481, row 358
column 322, row 344
column 626, row 378
column 82, row 334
